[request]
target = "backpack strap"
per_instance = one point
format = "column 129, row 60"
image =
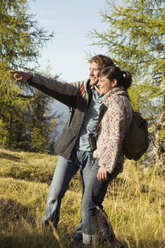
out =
column 80, row 93
column 97, row 130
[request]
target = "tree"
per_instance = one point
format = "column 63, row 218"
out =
column 134, row 38
column 20, row 35
column 20, row 41
column 41, row 123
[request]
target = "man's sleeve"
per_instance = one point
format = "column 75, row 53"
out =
column 53, row 84
column 63, row 92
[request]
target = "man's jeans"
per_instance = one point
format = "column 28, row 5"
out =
column 94, row 194
column 64, row 172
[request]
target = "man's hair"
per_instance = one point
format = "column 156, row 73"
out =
column 102, row 60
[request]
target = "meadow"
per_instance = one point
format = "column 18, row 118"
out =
column 134, row 203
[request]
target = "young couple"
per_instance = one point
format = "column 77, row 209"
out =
column 102, row 96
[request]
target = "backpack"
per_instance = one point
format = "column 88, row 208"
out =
column 136, row 141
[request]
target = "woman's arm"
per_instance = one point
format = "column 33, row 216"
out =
column 116, row 122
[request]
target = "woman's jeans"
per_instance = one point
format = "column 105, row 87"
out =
column 64, row 172
column 94, row 194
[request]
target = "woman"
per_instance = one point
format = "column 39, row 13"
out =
column 108, row 157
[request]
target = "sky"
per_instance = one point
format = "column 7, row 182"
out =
column 70, row 20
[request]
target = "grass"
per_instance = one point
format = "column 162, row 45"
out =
column 134, row 203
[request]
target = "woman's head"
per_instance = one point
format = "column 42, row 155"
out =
column 111, row 77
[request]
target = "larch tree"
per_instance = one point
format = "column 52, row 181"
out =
column 134, row 38
column 21, row 39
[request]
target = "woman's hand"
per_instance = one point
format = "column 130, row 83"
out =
column 97, row 89
column 102, row 174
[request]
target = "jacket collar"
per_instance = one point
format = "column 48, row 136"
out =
column 114, row 92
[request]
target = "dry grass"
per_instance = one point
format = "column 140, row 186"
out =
column 134, row 202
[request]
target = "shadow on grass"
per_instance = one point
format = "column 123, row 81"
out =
column 33, row 175
column 25, row 240
column 37, row 238
column 9, row 157
column 12, row 212
column 46, row 240
column 38, row 175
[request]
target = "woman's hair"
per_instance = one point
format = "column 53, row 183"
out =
column 123, row 78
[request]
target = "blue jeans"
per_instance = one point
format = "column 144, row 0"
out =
column 94, row 194
column 64, row 172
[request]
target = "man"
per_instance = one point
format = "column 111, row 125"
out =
column 73, row 146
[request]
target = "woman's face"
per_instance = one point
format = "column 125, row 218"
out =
column 104, row 85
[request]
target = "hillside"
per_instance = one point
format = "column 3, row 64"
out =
column 134, row 203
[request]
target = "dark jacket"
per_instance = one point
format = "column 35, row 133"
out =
column 69, row 95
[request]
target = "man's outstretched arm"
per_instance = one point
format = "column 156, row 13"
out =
column 61, row 91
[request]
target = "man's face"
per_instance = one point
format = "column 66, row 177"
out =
column 93, row 73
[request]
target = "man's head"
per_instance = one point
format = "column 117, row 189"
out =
column 97, row 63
